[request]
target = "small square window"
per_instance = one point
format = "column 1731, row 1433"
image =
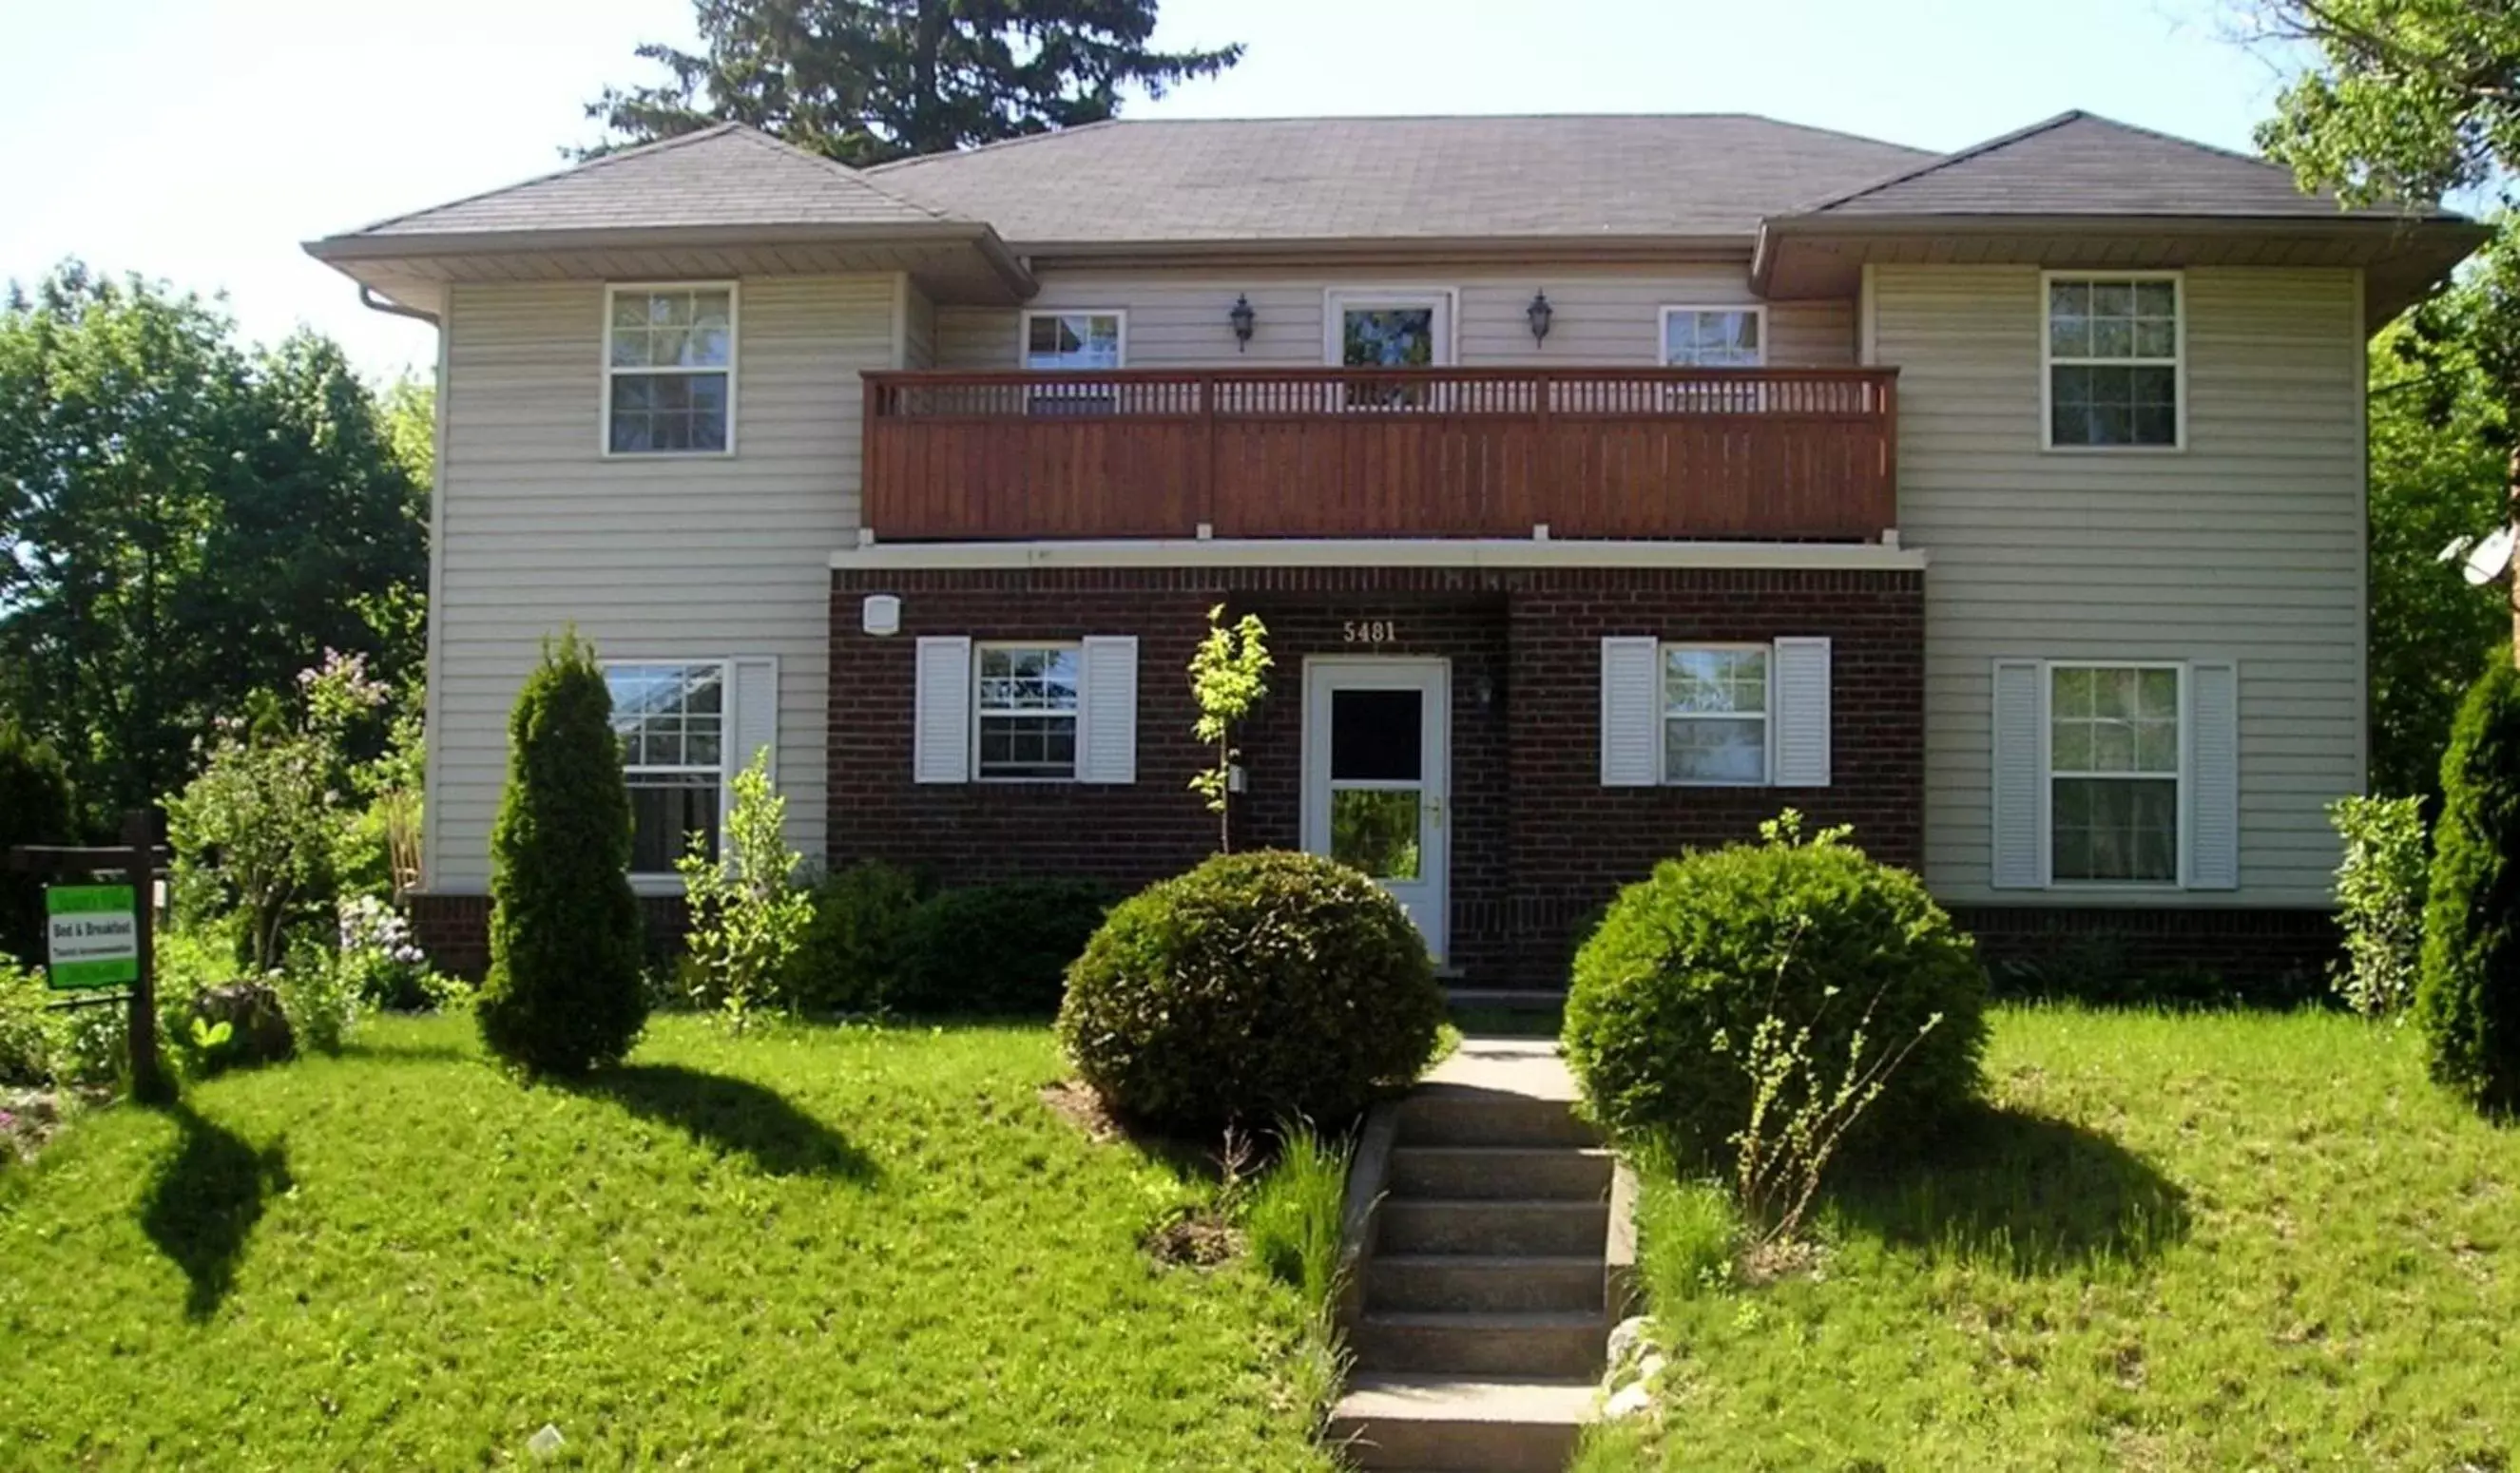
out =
column 1067, row 341
column 1712, row 336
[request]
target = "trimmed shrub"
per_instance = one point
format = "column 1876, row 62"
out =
column 564, row 992
column 996, row 949
column 1690, row 962
column 2468, row 996
column 855, row 941
column 35, row 808
column 2379, row 902
column 1255, row 988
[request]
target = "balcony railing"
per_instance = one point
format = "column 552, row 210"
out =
column 1776, row 454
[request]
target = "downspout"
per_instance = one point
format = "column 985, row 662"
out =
column 369, row 300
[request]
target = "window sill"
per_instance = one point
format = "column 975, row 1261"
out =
column 667, row 455
column 2113, row 450
column 655, row 884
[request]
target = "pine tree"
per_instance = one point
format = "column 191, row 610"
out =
column 564, row 995
column 2468, row 996
column 863, row 81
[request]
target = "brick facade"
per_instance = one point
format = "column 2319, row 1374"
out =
column 1536, row 842
column 454, row 930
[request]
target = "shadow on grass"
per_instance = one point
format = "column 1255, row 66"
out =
column 2030, row 1193
column 733, row 1115
column 205, row 1200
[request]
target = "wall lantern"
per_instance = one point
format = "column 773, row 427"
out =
column 1538, row 315
column 1242, row 317
column 882, row 615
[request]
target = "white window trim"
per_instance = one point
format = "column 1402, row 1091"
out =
column 1337, row 300
column 2186, row 838
column 1023, row 334
column 980, row 712
column 2047, row 362
column 734, row 362
column 670, row 882
column 1662, row 327
column 1766, row 717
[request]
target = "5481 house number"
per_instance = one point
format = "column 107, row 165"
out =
column 1369, row 631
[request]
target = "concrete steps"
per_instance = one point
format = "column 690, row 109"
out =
column 1483, row 1307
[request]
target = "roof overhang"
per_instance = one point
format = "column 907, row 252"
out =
column 952, row 261
column 1820, row 256
column 1347, row 250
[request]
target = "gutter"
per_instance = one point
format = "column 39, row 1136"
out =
column 369, row 300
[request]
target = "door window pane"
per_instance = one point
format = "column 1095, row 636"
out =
column 1377, row 736
column 1377, row 831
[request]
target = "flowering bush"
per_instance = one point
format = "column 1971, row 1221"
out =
column 380, row 962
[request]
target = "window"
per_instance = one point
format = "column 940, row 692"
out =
column 1387, row 330
column 2113, row 367
column 1067, row 342
column 1714, row 336
column 671, row 719
column 1027, row 711
column 2113, row 773
column 1715, row 715
column 669, row 370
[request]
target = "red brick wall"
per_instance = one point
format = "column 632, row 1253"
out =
column 1537, row 843
column 454, row 930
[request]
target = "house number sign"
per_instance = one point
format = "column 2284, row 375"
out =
column 1369, row 631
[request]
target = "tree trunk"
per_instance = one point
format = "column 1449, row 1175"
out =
column 2511, row 565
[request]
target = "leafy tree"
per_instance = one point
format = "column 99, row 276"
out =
column 35, row 808
column 563, row 994
column 863, row 81
column 749, row 916
column 2410, row 100
column 2468, row 993
column 1229, row 674
column 183, row 523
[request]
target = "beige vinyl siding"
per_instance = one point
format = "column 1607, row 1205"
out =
column 651, row 558
column 2247, row 545
column 918, row 328
column 1605, row 316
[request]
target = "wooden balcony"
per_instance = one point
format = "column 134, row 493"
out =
column 1729, row 454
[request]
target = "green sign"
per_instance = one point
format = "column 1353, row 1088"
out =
column 95, row 936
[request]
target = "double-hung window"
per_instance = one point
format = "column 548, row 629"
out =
column 1025, row 714
column 671, row 722
column 669, row 370
column 2112, row 347
column 1064, row 341
column 1715, row 715
column 2114, row 773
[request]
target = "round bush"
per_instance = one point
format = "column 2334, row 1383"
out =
column 2467, row 993
column 1255, row 988
column 1670, row 990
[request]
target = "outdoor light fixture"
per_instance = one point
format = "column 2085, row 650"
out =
column 1538, row 315
column 1242, row 317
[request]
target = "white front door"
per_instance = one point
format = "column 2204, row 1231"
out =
column 1377, row 764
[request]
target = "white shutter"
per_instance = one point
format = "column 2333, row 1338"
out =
column 1106, row 716
column 1631, row 711
column 2213, row 775
column 2020, row 775
column 753, row 706
column 1801, row 711
column 941, row 739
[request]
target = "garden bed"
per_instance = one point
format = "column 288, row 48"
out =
column 832, row 1247
column 2192, row 1243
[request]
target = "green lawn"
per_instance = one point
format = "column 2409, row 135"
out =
column 2202, row 1242
column 813, row 1247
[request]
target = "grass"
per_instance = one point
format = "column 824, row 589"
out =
column 2205, row 1241
column 828, row 1247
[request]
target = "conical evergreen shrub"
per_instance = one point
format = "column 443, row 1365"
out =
column 2468, row 995
column 564, row 995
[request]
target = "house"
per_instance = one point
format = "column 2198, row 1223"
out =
column 1607, row 484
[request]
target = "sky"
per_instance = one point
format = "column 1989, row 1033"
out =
column 198, row 142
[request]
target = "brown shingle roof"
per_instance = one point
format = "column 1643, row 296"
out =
column 2078, row 165
column 728, row 175
column 1394, row 178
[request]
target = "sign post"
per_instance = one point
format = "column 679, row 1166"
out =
column 103, row 935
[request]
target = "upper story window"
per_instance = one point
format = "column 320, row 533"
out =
column 1026, row 713
column 669, row 370
column 2113, row 361
column 1062, row 341
column 1715, row 715
column 2114, row 768
column 1714, row 336
column 671, row 719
